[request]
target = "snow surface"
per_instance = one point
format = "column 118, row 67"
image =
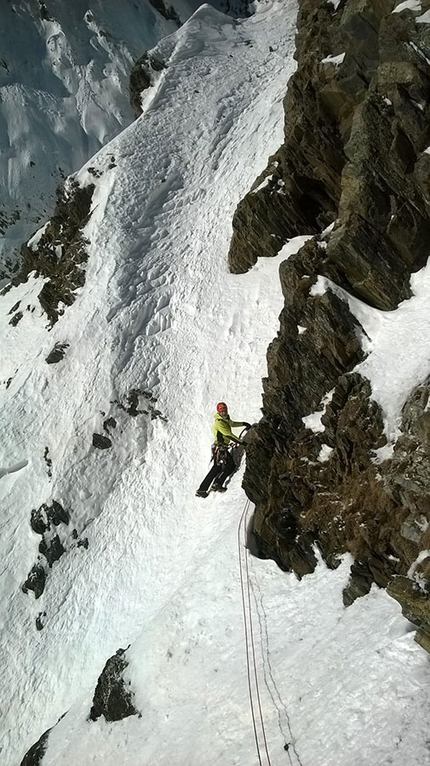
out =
column 313, row 421
column 64, row 94
column 159, row 312
column 336, row 60
column 412, row 5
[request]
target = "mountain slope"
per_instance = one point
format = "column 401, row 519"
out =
column 64, row 87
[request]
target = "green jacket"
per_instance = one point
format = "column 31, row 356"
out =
column 222, row 430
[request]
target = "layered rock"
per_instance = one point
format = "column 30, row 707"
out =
column 353, row 172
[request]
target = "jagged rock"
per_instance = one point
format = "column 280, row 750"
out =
column 51, row 549
column 38, row 521
column 111, row 698
column 300, row 189
column 35, row 581
column 109, row 423
column 45, row 515
column 60, row 253
column 7, row 219
column 140, row 402
column 360, row 582
column 166, row 10
column 16, row 318
column 42, row 521
column 35, row 755
column 57, row 514
column 44, row 13
column 14, row 308
column 57, row 353
column 142, row 77
column 40, row 620
column 407, row 475
column 48, row 461
column 376, row 569
column 101, row 442
column 355, row 130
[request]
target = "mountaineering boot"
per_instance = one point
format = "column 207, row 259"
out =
column 218, row 488
column 201, row 493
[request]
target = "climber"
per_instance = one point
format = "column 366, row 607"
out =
column 223, row 463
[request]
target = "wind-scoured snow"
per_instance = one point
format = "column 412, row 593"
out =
column 64, row 77
column 160, row 313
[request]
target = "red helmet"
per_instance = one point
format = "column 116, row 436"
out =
column 221, row 406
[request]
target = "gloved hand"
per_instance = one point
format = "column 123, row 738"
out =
column 247, row 425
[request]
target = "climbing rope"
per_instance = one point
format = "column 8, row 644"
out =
column 269, row 680
column 249, row 641
column 249, row 593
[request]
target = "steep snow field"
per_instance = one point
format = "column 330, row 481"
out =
column 160, row 313
column 64, row 75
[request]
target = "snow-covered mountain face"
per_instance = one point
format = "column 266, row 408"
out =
column 64, row 93
column 106, row 433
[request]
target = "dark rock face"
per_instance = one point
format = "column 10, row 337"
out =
column 35, row 755
column 356, row 130
column 101, row 442
column 142, row 77
column 111, row 698
column 16, row 318
column 43, row 517
column 35, row 581
column 299, row 191
column 51, row 523
column 57, row 353
column 60, row 252
column 166, row 10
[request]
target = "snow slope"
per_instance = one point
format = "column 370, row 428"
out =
column 160, row 313
column 64, row 77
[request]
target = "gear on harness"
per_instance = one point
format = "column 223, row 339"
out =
column 219, row 454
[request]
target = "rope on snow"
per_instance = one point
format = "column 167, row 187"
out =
column 249, row 639
column 247, row 588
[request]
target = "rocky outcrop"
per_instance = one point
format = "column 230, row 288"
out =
column 51, row 522
column 58, row 252
column 57, row 353
column 166, row 10
column 112, row 699
column 353, row 172
column 34, row 756
column 142, row 77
